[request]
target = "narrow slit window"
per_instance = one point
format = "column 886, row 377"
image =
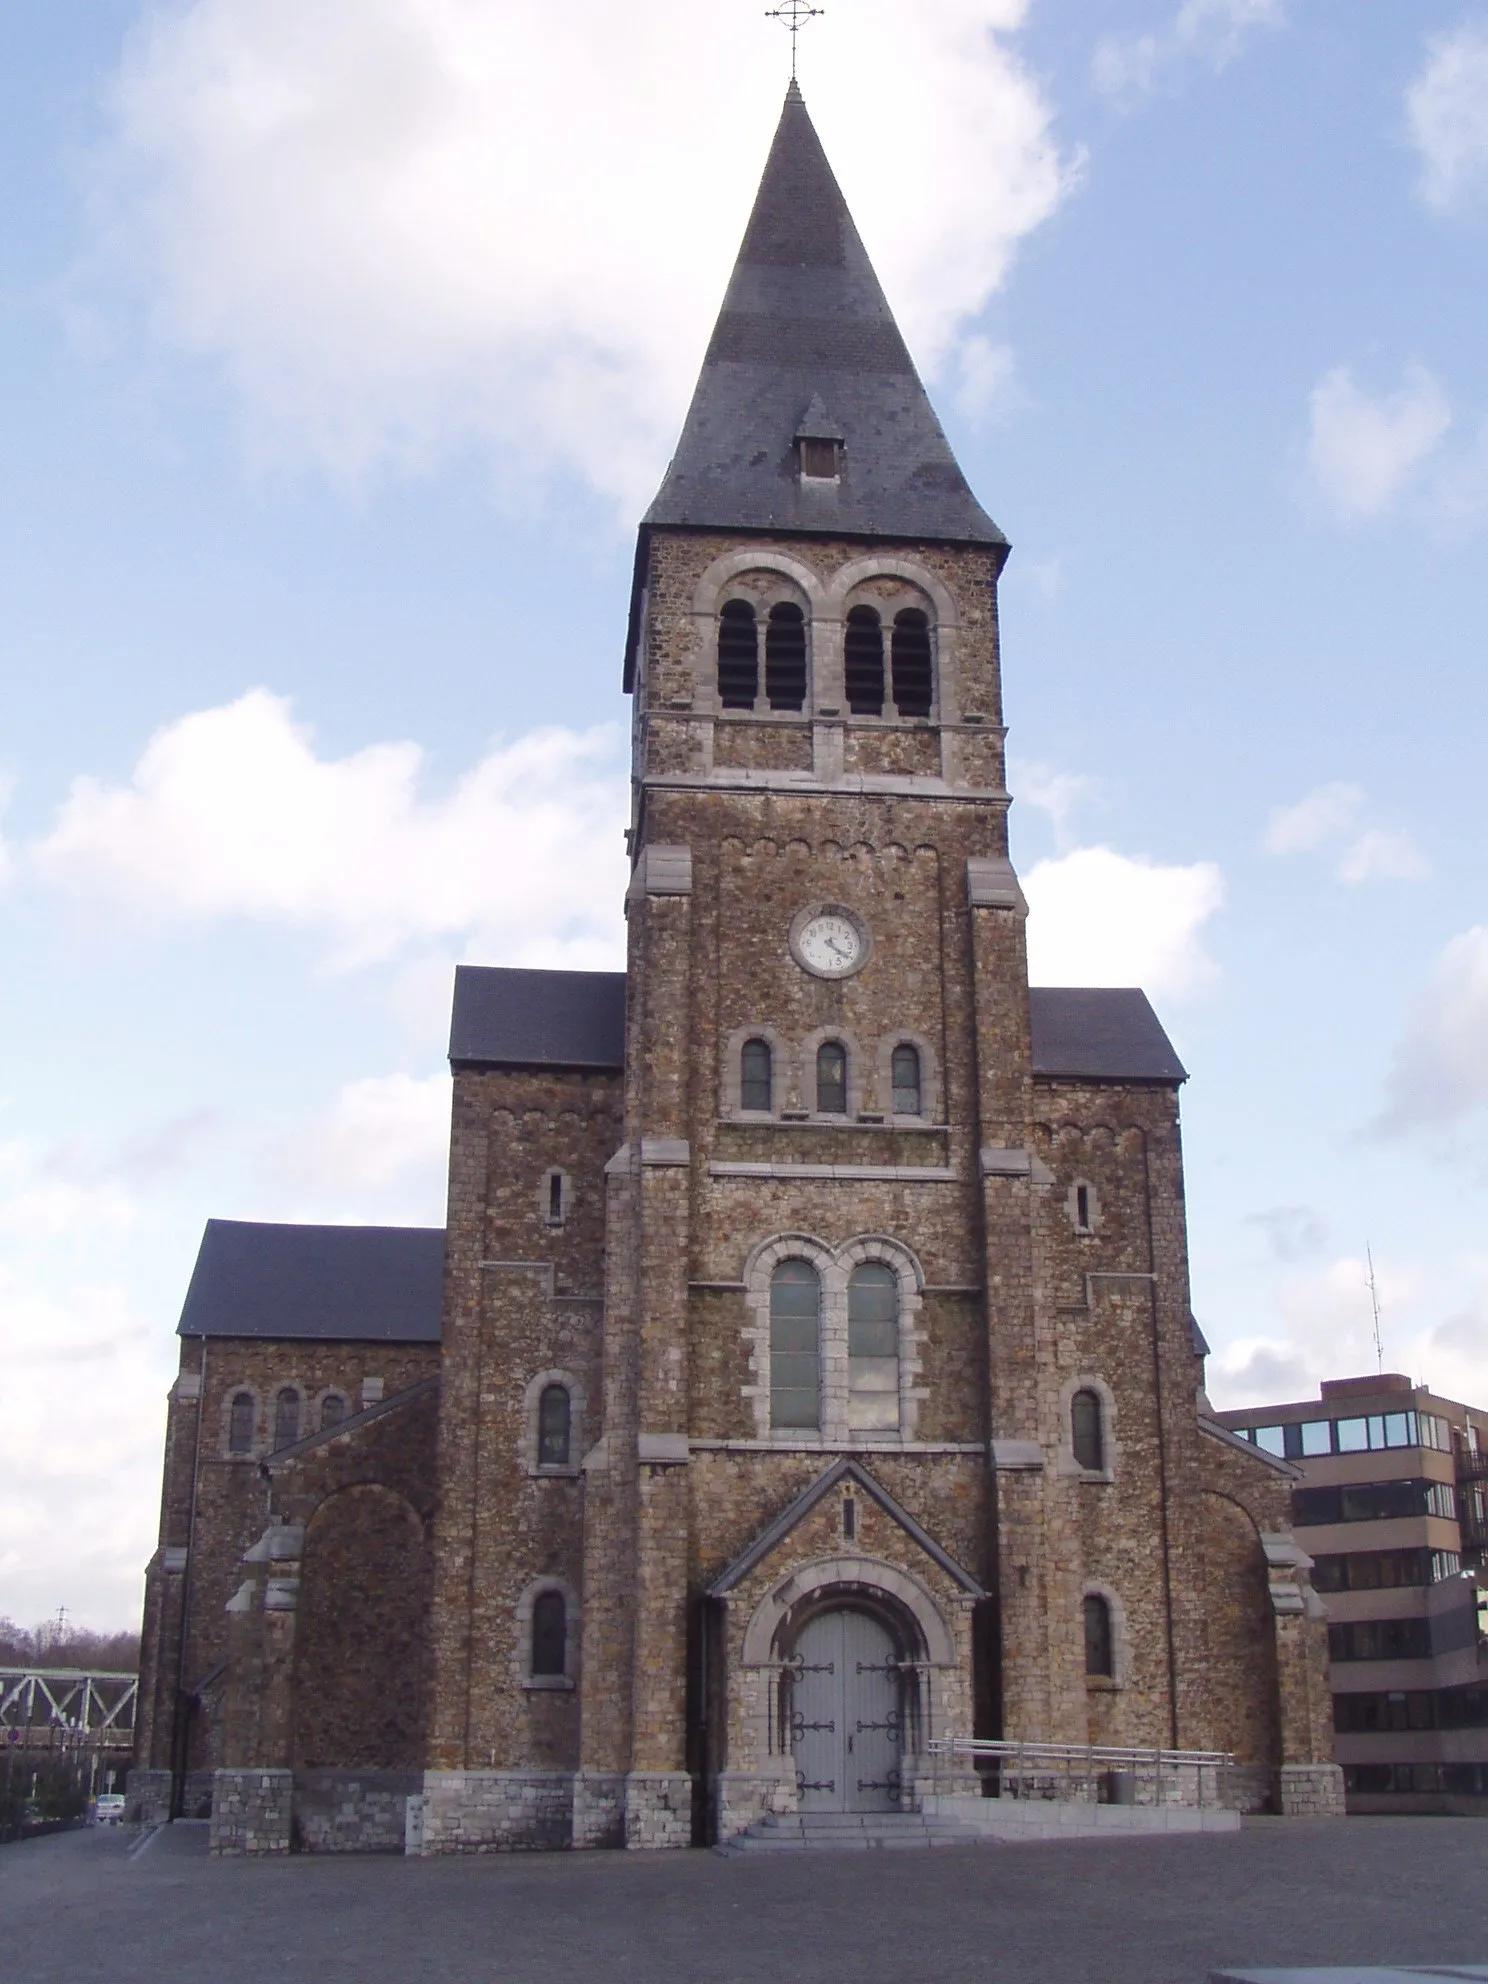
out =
column 1082, row 1208
column 332, row 1411
column 863, row 662
column 785, row 657
column 755, row 1076
column 240, row 1423
column 831, row 1079
column 795, row 1346
column 554, row 1426
column 911, row 663
column 555, row 1198
column 549, row 1635
column 286, row 1418
column 1087, row 1436
column 1098, row 1648
column 849, row 1519
column 905, row 1070
column 738, row 656
column 873, row 1349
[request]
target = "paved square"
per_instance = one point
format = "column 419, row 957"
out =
column 77, row 1908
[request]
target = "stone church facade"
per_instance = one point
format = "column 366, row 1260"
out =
column 806, row 1372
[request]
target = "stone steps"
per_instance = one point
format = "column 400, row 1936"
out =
column 849, row 1832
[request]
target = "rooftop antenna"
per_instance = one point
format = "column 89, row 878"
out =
column 795, row 14
column 1379, row 1348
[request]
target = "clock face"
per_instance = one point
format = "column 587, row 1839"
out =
column 830, row 944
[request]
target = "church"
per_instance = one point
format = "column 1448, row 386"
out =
column 806, row 1373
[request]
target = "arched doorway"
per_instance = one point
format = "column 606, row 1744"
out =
column 845, row 1713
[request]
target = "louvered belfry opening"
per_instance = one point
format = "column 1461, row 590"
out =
column 911, row 663
column 738, row 656
column 785, row 657
column 863, row 662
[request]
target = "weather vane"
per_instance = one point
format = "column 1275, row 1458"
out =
column 795, row 14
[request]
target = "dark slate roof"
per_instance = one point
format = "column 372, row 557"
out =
column 537, row 1019
column 1099, row 1034
column 806, row 329
column 372, row 1284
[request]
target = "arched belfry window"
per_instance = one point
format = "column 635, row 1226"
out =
column 549, row 1635
column 785, row 657
column 1087, row 1436
column 831, row 1079
column 240, row 1423
column 873, row 1349
column 1099, row 1650
column 795, row 1346
column 910, row 658
column 904, row 1067
column 755, row 1075
column 286, row 1418
column 738, row 655
column 863, row 662
column 554, row 1427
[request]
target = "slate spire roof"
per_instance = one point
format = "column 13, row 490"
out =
column 806, row 343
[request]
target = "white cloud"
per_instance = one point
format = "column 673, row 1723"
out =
column 1447, row 112
column 1052, row 792
column 1330, row 815
column 1293, row 1232
column 986, row 373
column 1325, row 1329
column 1101, row 918
column 376, row 1132
column 1203, row 33
column 44, row 1195
column 404, row 225
column 230, row 813
column 1362, row 451
column 1439, row 1074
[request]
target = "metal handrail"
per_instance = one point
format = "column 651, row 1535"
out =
column 1112, row 1756
column 1021, row 1765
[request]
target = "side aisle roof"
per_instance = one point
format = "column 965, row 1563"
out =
column 373, row 1284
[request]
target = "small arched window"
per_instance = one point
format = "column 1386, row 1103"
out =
column 831, row 1079
column 904, row 1068
column 1087, row 1436
column 795, row 1345
column 863, row 662
column 785, row 657
column 1099, row 1656
column 738, row 656
column 286, row 1418
column 332, row 1411
column 555, row 1198
column 549, row 1635
column 873, row 1349
column 754, row 1075
column 911, row 663
column 240, row 1423
column 554, row 1426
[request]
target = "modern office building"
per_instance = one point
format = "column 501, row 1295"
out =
column 1392, row 1505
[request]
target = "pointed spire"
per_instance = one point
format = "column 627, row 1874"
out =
column 805, row 327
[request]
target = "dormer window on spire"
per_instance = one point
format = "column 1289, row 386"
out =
column 819, row 444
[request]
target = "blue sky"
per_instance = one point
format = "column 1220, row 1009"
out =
column 341, row 344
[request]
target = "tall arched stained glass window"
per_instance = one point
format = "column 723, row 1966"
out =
column 795, row 1346
column 873, row 1349
column 831, row 1079
column 754, row 1075
column 905, row 1072
column 286, row 1418
column 1099, row 1653
column 1086, row 1431
column 554, row 1426
column 240, row 1424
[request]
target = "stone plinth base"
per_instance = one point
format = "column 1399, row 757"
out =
column 1312, row 1791
column 252, row 1811
column 599, row 1808
column 497, row 1811
column 147, row 1797
column 658, row 1809
column 353, row 1811
column 1074, row 1818
column 741, row 1800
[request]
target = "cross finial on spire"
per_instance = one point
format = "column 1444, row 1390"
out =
column 795, row 14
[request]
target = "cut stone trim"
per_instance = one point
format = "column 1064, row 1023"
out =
column 864, row 1444
column 663, row 1449
column 992, row 884
column 252, row 1811
column 884, row 1174
column 662, row 869
column 531, row 1405
column 568, row 1680
column 1066, row 1463
column 1015, row 1454
column 665, row 1150
column 867, row 1574
column 658, row 1810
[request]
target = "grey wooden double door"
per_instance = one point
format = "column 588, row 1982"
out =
column 846, row 1717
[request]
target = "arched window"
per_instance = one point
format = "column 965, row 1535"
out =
column 554, row 1424
column 240, row 1423
column 738, row 656
column 754, row 1075
column 905, row 1070
column 286, row 1418
column 332, row 1411
column 873, row 1349
column 911, row 663
column 1086, row 1433
column 1099, row 1658
column 831, row 1079
column 785, row 657
column 795, row 1345
column 549, row 1634
column 862, row 662
column 555, row 1198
